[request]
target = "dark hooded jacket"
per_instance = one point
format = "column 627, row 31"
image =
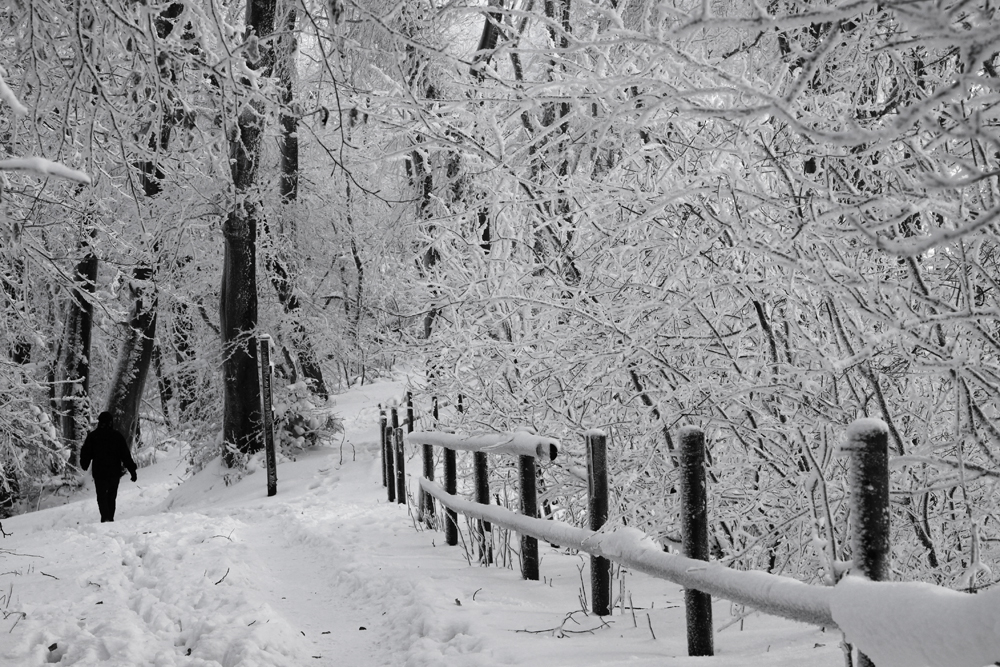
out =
column 108, row 451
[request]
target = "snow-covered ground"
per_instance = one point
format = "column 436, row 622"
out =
column 199, row 573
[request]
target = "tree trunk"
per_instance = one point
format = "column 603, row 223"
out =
column 238, row 316
column 13, row 283
column 304, row 349
column 289, row 188
column 165, row 385
column 136, row 353
column 72, row 375
column 238, row 297
column 182, row 330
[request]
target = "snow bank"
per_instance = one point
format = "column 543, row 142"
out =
column 917, row 624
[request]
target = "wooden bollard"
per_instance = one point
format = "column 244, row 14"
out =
column 451, row 486
column 400, row 468
column 382, row 421
column 267, row 411
column 867, row 444
column 481, row 479
column 529, row 508
column 597, row 476
column 390, row 466
column 409, row 412
column 481, row 482
column 426, row 500
column 694, row 535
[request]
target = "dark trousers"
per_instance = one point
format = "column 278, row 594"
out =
column 107, row 493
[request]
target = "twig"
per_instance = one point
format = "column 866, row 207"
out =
column 49, row 575
column 650, row 622
column 561, row 628
column 223, row 577
column 3, row 532
column 20, row 615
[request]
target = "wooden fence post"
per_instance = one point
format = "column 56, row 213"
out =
column 409, row 412
column 390, row 467
column 694, row 533
column 381, row 430
column 868, row 445
column 481, row 482
column 400, row 468
column 529, row 508
column 597, row 476
column 267, row 411
column 426, row 500
column 451, row 486
column 481, row 479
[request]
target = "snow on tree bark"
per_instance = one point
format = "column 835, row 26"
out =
column 135, row 356
column 238, row 320
column 238, row 297
column 72, row 374
column 288, row 183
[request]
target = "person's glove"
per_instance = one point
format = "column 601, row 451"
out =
column 133, row 476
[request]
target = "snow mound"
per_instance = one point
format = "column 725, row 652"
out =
column 917, row 624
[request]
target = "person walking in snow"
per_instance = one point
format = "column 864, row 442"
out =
column 108, row 451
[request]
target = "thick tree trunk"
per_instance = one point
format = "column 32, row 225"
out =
column 238, row 299
column 238, row 316
column 288, row 119
column 72, row 375
column 135, row 356
column 289, row 187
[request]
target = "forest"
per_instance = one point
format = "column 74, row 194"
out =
column 763, row 219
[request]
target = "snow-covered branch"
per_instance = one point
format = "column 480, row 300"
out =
column 43, row 167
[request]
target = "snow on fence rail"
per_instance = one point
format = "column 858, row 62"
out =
column 894, row 624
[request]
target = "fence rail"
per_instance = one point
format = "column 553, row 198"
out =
column 866, row 444
column 770, row 593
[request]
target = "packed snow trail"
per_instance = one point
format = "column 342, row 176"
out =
column 206, row 571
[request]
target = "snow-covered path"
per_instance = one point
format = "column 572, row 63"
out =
column 198, row 573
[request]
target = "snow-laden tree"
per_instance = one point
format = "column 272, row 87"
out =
column 764, row 220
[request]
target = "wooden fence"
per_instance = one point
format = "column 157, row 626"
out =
column 866, row 444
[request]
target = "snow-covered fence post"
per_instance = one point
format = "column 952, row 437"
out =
column 409, row 412
column 868, row 446
column 451, row 486
column 529, row 508
column 481, row 479
column 426, row 501
column 390, row 466
column 382, row 421
column 267, row 411
column 400, row 468
column 481, row 482
column 694, row 534
column 597, row 476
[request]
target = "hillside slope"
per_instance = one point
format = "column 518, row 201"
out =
column 198, row 573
